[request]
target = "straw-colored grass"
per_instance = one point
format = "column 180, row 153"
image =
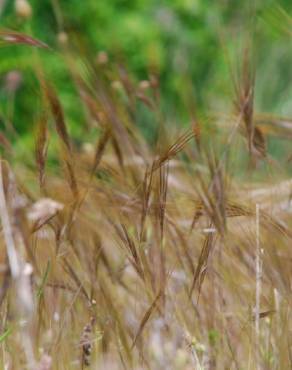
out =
column 131, row 256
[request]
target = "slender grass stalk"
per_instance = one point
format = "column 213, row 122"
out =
column 7, row 230
column 258, row 288
column 17, row 267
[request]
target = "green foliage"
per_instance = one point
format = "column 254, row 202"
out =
column 214, row 336
column 190, row 44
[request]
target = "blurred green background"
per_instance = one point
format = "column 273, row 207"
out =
column 192, row 45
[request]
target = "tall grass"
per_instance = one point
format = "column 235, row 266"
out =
column 125, row 255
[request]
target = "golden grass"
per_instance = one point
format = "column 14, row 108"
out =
column 127, row 256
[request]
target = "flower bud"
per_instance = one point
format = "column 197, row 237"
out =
column 23, row 9
column 62, row 38
column 144, row 85
column 102, row 57
column 13, row 81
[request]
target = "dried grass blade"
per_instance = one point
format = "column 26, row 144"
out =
column 163, row 184
column 118, row 151
column 146, row 192
column 202, row 264
column 76, row 279
column 44, row 280
column 112, row 309
column 100, row 148
column 145, row 318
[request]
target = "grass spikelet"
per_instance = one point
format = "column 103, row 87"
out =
column 217, row 190
column 173, row 150
column 135, row 260
column 202, row 266
column 58, row 115
column 244, row 104
column 41, row 148
column 12, row 37
column 62, row 131
column 260, row 142
column 118, row 151
column 245, row 97
column 100, row 148
column 146, row 318
column 146, row 192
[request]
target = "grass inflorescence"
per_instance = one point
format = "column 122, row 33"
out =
column 126, row 255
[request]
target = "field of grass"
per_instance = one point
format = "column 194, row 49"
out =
column 119, row 252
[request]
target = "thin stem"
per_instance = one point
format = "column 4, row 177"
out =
column 258, row 287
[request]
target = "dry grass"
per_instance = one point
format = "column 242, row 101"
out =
column 126, row 256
